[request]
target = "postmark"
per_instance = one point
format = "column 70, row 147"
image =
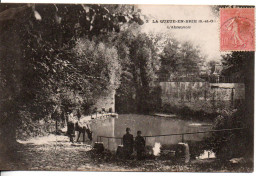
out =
column 237, row 29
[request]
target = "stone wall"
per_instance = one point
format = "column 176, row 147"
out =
column 202, row 95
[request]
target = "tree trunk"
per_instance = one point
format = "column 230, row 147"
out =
column 56, row 125
column 249, row 100
column 8, row 132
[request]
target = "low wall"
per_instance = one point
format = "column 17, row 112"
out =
column 202, row 95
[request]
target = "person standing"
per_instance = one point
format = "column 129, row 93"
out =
column 140, row 146
column 71, row 126
column 71, row 131
column 79, row 129
column 128, row 143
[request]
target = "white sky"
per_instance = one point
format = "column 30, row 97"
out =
column 206, row 35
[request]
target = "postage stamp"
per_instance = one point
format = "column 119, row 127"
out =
column 126, row 87
column 237, row 29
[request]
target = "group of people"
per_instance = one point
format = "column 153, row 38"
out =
column 76, row 126
column 129, row 144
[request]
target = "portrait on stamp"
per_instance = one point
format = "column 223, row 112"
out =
column 237, row 31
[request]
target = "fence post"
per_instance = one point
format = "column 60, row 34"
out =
column 182, row 138
column 97, row 138
column 232, row 96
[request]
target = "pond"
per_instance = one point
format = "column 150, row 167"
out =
column 150, row 126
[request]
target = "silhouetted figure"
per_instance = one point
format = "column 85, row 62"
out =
column 80, row 130
column 140, row 146
column 83, row 130
column 78, row 114
column 71, row 131
column 89, row 132
column 128, row 143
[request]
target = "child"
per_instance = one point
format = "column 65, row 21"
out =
column 140, row 145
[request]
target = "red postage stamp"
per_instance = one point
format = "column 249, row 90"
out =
column 237, row 29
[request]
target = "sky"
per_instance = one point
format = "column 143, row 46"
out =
column 204, row 35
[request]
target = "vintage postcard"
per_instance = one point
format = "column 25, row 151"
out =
column 99, row 87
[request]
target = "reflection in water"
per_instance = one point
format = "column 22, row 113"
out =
column 207, row 154
column 156, row 149
column 149, row 125
column 104, row 127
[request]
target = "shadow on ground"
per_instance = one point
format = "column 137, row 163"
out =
column 60, row 154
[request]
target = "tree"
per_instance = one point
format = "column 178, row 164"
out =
column 180, row 60
column 169, row 59
column 40, row 66
column 240, row 65
column 100, row 61
column 139, row 59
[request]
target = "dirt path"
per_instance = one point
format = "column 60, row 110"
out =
column 57, row 153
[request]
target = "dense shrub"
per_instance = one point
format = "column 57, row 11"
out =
column 236, row 143
column 187, row 113
column 31, row 128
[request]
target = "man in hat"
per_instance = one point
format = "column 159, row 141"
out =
column 128, row 143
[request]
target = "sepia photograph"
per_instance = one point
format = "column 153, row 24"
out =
column 127, row 87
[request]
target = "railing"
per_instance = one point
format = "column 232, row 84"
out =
column 210, row 79
column 99, row 138
column 225, row 79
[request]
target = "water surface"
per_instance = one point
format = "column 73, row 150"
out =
column 150, row 126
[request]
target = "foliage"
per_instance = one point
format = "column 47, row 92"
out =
column 237, row 143
column 29, row 127
column 237, row 64
column 231, row 144
column 99, row 60
column 180, row 59
column 139, row 60
column 187, row 113
column 45, row 64
column 227, row 144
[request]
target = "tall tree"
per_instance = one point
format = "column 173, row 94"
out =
column 180, row 60
column 40, row 67
column 241, row 66
column 139, row 60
